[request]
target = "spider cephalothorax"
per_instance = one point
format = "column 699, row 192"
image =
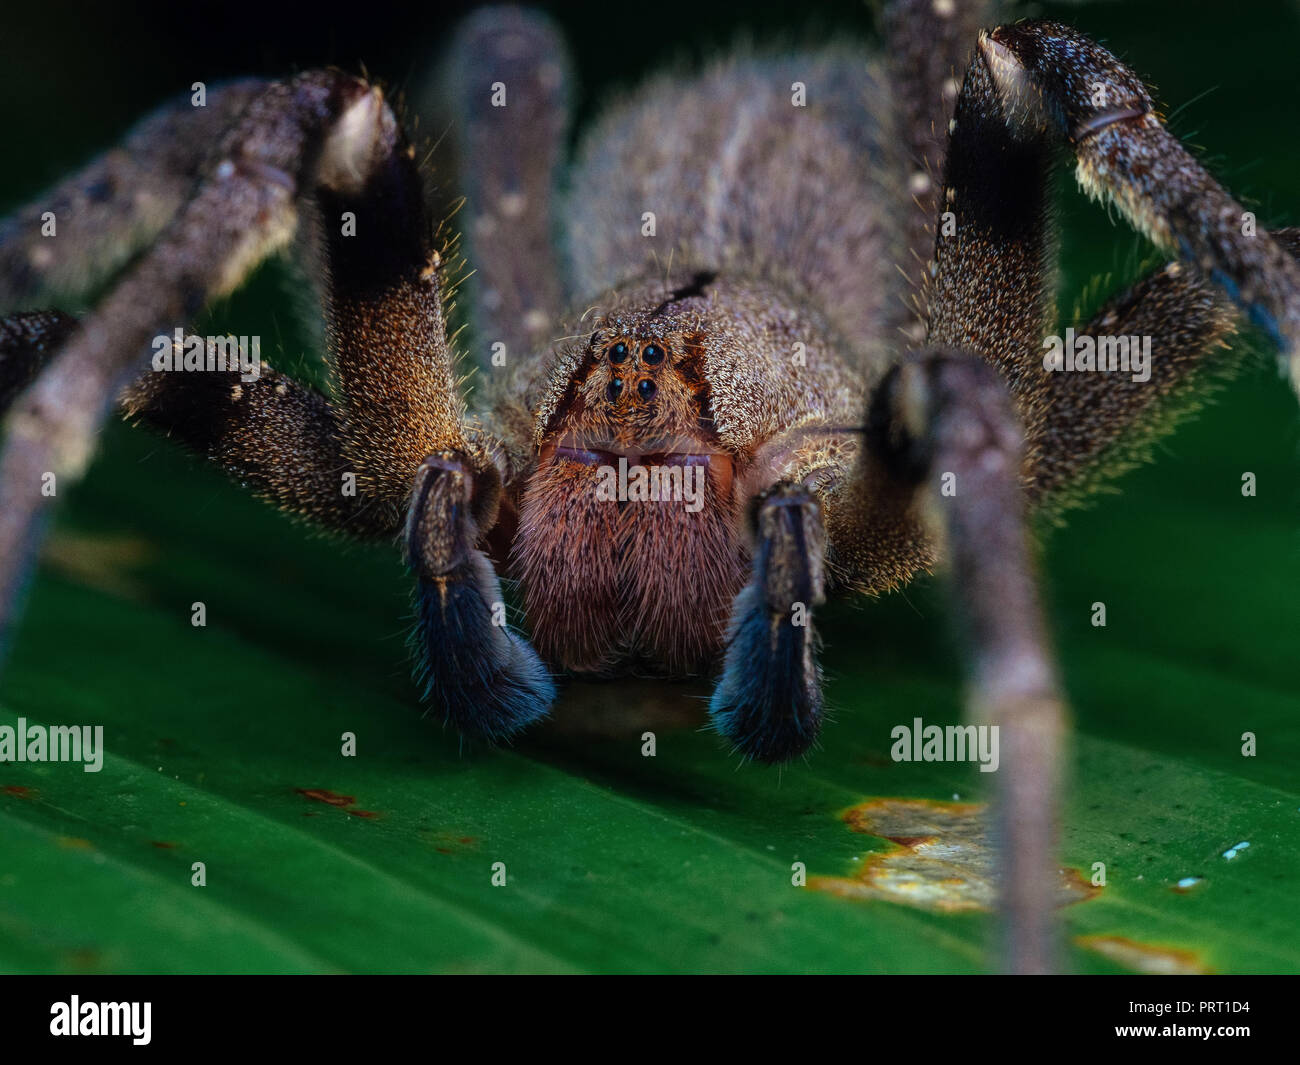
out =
column 647, row 583
column 807, row 291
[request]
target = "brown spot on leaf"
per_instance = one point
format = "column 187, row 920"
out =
column 1078, row 881
column 162, row 844
column 1146, row 957
column 18, row 791
column 331, row 798
column 75, row 843
column 943, row 858
column 447, row 842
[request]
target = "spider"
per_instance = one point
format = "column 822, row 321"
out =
column 815, row 285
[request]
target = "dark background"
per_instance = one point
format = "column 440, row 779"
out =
column 75, row 76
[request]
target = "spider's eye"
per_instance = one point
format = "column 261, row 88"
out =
column 615, row 388
column 618, row 352
column 647, row 389
column 652, row 354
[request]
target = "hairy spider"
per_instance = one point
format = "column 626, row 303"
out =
column 842, row 358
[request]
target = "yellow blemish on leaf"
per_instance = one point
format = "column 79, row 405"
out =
column 943, row 858
column 1146, row 957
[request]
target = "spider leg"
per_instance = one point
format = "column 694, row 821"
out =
column 391, row 365
column 1032, row 87
column 403, row 431
column 488, row 680
column 392, row 370
column 272, row 434
column 117, row 205
column 948, row 412
column 824, row 513
column 768, row 702
column 1082, row 428
column 927, row 48
column 508, row 82
column 27, row 343
column 226, row 228
column 276, row 436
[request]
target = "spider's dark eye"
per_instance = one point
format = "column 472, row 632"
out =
column 647, row 389
column 652, row 354
column 618, row 352
column 615, row 388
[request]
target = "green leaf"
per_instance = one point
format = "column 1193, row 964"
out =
column 218, row 738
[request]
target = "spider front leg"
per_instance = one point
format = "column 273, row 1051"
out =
column 392, row 369
column 245, row 210
column 107, row 212
column 833, row 515
column 1033, row 87
column 768, row 702
column 948, row 412
column 487, row 680
column 404, row 431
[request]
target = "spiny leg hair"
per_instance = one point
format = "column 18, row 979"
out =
column 1031, row 88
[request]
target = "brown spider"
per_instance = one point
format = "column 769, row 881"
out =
column 843, row 355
